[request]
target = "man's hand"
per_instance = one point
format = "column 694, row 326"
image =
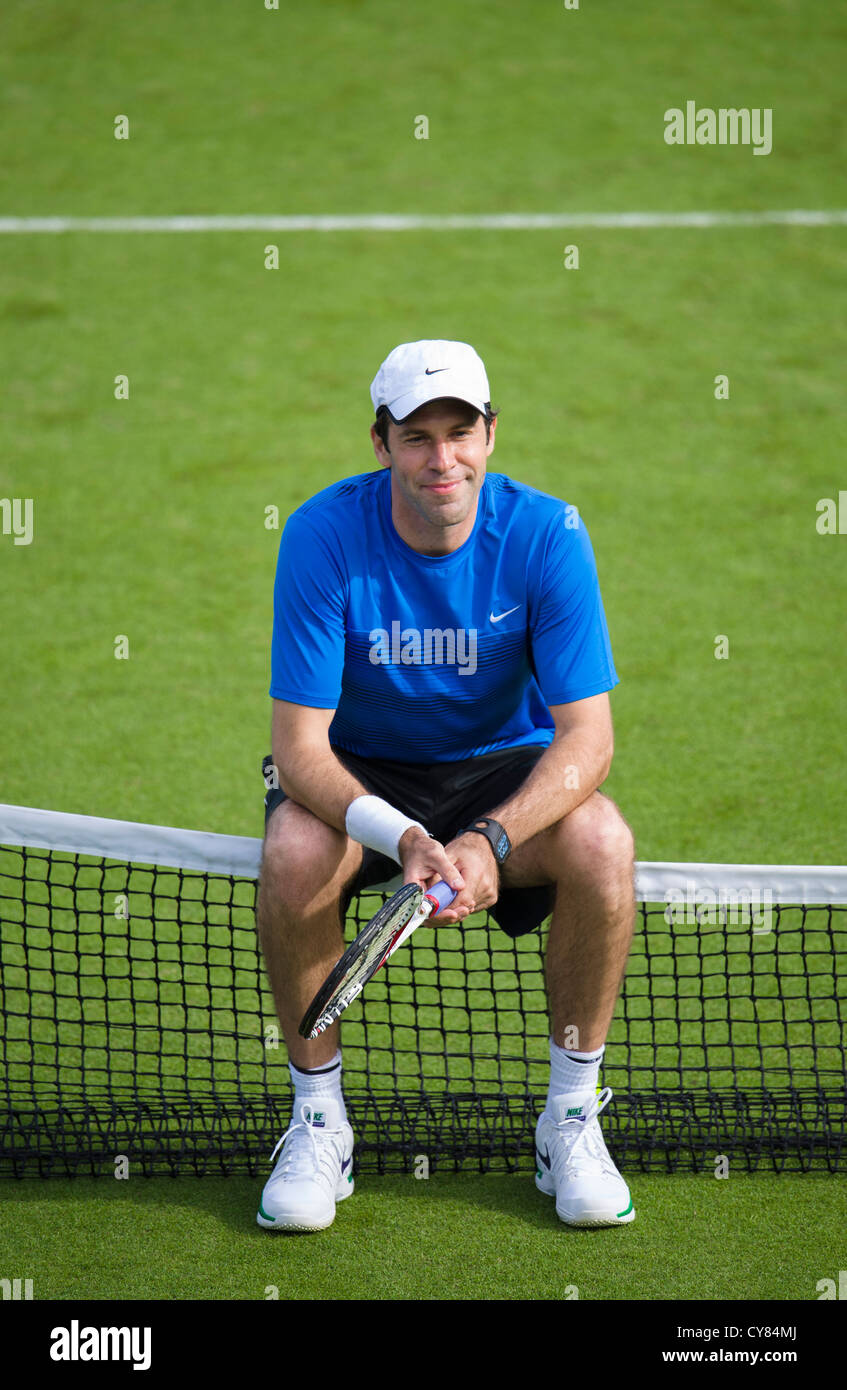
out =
column 464, row 864
column 474, row 858
column 424, row 861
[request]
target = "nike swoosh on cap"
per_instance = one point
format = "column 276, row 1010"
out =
column 500, row 616
column 430, row 371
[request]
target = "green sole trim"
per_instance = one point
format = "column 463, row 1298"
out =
column 627, row 1211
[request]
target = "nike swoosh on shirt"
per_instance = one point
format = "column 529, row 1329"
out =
column 500, row 616
column 430, row 371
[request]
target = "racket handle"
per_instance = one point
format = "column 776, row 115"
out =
column 440, row 895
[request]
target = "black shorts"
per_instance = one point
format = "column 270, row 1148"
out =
column 444, row 797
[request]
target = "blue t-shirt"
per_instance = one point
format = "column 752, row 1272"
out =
column 437, row 658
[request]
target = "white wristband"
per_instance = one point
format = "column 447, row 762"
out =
column 373, row 822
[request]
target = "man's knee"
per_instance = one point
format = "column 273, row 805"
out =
column 304, row 860
column 596, row 834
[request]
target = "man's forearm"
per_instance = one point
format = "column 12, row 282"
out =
column 565, row 775
column 312, row 775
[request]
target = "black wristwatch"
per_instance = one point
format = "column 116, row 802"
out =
column 494, row 834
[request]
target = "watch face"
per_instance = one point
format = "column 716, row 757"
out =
column 501, row 849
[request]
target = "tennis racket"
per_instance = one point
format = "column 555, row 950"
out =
column 388, row 928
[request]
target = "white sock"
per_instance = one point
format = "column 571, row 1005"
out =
column 573, row 1071
column 321, row 1081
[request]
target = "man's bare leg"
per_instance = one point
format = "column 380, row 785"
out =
column 588, row 855
column 306, row 865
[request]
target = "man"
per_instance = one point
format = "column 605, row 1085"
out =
column 440, row 676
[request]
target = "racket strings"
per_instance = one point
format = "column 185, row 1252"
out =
column 375, row 950
column 362, row 959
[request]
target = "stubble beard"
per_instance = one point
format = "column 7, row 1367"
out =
column 449, row 512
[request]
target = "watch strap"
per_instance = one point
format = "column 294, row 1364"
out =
column 494, row 834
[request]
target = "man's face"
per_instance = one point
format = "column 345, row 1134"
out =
column 437, row 461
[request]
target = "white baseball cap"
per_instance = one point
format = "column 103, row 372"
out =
column 415, row 373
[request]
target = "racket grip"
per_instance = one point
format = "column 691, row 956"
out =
column 441, row 894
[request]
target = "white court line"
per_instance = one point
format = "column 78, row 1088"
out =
column 399, row 222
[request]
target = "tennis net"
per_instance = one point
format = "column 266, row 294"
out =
column 136, row 1020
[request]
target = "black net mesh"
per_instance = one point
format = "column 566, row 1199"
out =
column 136, row 1020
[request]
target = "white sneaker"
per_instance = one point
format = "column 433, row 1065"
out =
column 313, row 1172
column 574, row 1165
